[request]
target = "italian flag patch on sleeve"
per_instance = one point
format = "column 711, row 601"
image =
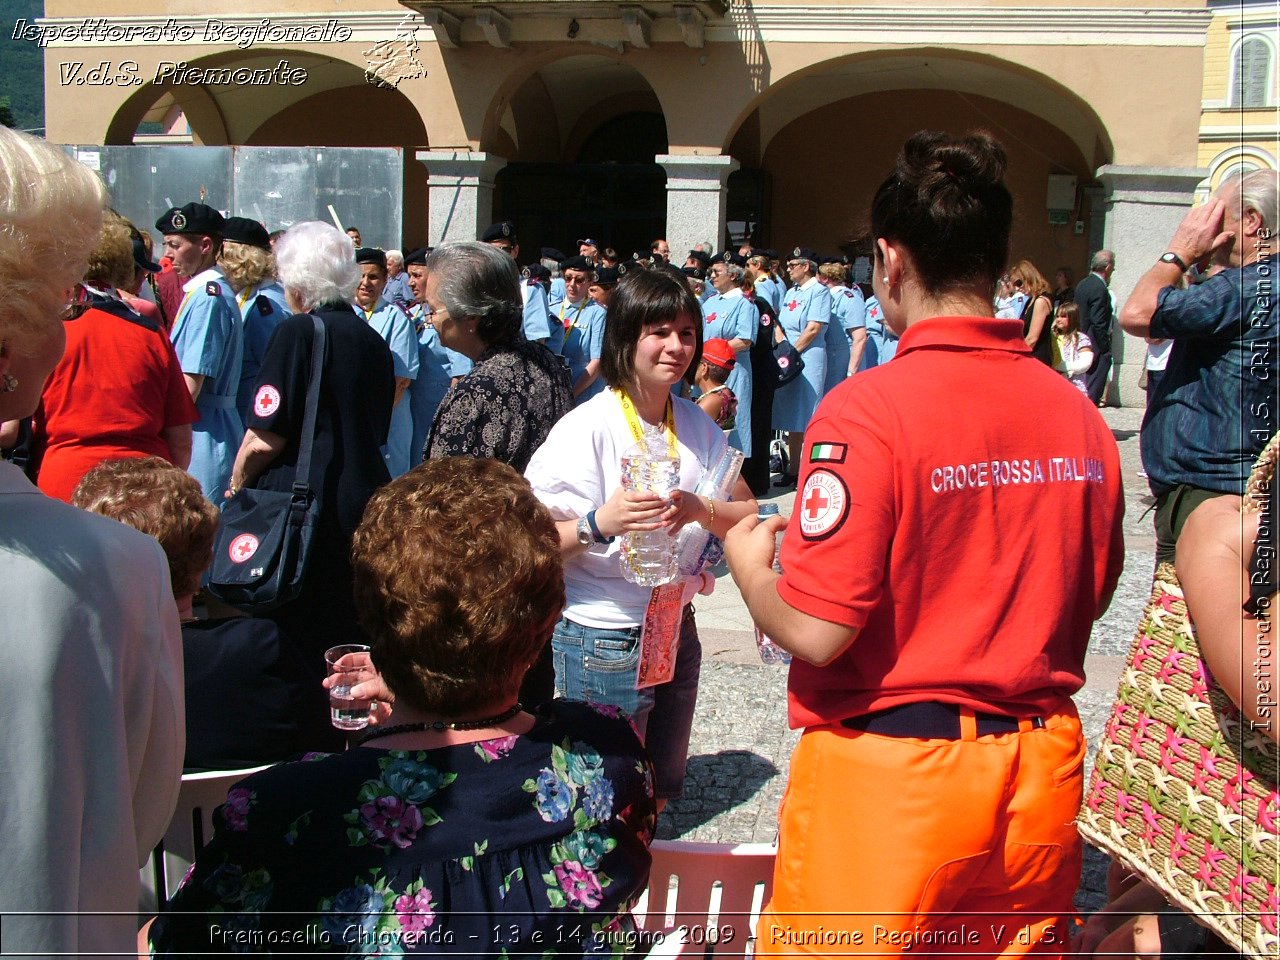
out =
column 828, row 452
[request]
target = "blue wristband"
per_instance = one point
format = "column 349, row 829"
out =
column 595, row 531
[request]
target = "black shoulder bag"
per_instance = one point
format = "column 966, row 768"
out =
column 261, row 551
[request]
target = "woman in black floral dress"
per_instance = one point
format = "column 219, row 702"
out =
column 464, row 824
column 505, row 407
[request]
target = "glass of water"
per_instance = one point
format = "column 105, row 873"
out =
column 348, row 664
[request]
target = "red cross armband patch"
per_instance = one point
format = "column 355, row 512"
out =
column 267, row 401
column 823, row 505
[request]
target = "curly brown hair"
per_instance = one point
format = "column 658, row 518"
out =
column 458, row 583
column 154, row 496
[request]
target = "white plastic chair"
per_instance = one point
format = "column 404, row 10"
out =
column 189, row 830
column 704, row 899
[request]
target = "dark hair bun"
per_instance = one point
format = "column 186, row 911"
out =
column 947, row 202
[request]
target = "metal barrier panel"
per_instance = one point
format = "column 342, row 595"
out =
column 279, row 186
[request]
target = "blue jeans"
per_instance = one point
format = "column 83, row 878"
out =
column 599, row 665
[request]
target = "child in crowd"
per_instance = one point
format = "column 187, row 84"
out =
column 1074, row 349
column 717, row 400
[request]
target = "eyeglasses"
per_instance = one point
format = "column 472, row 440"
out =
column 504, row 247
column 796, row 263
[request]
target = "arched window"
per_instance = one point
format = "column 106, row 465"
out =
column 1251, row 76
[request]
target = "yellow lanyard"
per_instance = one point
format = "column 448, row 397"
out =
column 182, row 306
column 568, row 327
column 244, row 297
column 637, row 431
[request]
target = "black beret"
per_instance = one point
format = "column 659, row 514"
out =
column 551, row 253
column 578, row 263
column 246, row 231
column 771, row 253
column 607, row 276
column 804, row 253
column 140, row 259
column 696, row 272
column 536, row 272
column 196, row 218
column 506, row 230
column 701, row 256
column 371, row 255
column 418, row 256
column 731, row 256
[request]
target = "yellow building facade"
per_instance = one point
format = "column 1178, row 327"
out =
column 704, row 120
column 1240, row 123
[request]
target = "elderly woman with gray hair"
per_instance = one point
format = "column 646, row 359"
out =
column 730, row 315
column 317, row 269
column 505, row 407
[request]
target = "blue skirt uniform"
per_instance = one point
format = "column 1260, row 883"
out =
column 793, row 405
column 732, row 316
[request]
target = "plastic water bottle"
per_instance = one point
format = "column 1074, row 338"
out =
column 770, row 652
column 648, row 557
column 696, row 547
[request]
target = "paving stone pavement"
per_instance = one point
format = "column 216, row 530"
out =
column 741, row 745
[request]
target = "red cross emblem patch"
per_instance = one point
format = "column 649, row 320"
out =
column 711, row 318
column 793, row 304
column 823, row 505
column 242, row 548
column 267, row 401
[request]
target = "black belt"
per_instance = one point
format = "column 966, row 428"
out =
column 935, row 721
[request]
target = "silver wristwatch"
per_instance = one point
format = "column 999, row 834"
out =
column 585, row 536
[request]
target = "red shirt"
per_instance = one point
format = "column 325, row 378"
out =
column 960, row 508
column 113, row 393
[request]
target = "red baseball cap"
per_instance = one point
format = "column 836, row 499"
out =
column 717, row 351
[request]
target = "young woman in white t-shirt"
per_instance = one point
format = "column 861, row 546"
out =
column 653, row 339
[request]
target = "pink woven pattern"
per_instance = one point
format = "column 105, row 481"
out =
column 1183, row 791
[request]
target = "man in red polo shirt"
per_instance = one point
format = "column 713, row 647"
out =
column 956, row 533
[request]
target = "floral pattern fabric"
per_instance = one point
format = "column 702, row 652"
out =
column 504, row 408
column 531, row 845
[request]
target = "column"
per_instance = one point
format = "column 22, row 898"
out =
column 695, row 200
column 460, row 192
column 1144, row 205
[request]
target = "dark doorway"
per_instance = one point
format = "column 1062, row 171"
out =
column 621, row 205
column 613, row 193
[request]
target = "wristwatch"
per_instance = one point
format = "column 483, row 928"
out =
column 595, row 530
column 1173, row 258
column 584, row 532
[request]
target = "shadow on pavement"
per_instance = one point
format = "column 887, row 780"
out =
column 713, row 784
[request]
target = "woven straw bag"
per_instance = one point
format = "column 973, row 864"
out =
column 1183, row 791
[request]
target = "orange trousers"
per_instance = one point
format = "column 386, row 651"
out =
column 894, row 845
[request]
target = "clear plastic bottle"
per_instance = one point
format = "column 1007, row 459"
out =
column 648, row 557
column 770, row 652
column 696, row 548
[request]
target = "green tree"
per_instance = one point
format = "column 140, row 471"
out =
column 6, row 114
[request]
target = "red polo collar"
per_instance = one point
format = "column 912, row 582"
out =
column 969, row 333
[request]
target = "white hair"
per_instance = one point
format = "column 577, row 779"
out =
column 317, row 264
column 396, row 255
column 1257, row 190
column 51, row 210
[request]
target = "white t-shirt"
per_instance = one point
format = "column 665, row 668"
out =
column 1158, row 354
column 579, row 467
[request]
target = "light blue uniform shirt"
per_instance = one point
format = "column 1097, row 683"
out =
column 435, row 374
column 770, row 290
column 393, row 324
column 882, row 343
column 583, row 340
column 556, row 293
column 208, row 335
column 261, row 308
column 848, row 312
column 537, row 318
column 793, row 405
column 732, row 316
